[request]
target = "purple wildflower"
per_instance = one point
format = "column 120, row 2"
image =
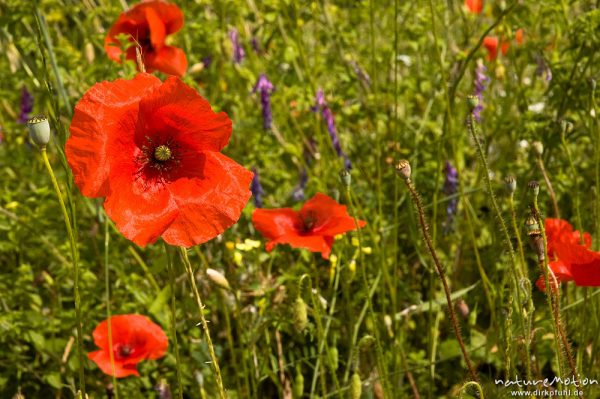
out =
column 362, row 75
column 543, row 68
column 255, row 45
column 480, row 83
column 238, row 50
column 257, row 189
column 207, row 61
column 298, row 192
column 450, row 188
column 26, row 105
column 321, row 104
column 265, row 88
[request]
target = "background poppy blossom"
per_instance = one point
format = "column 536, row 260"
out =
column 313, row 227
column 570, row 259
column 474, row 6
column 134, row 339
column 491, row 44
column 153, row 150
column 148, row 24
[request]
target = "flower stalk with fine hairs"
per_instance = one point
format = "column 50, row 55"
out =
column 265, row 88
column 450, row 189
column 403, row 169
column 39, row 131
column 321, row 104
column 537, row 232
column 211, row 350
column 538, row 148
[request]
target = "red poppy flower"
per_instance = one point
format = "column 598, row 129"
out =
column 148, row 24
column 474, row 6
column 491, row 44
column 152, row 149
column 570, row 259
column 313, row 227
column 134, row 338
column 519, row 36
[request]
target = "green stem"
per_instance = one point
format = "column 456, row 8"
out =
column 75, row 260
column 211, row 349
column 108, row 310
column 171, row 271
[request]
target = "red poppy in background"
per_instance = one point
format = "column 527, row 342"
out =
column 491, row 44
column 313, row 227
column 474, row 6
column 148, row 24
column 134, row 338
column 153, row 150
column 519, row 36
column 570, row 260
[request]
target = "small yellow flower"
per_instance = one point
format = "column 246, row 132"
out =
column 367, row 250
column 237, row 258
column 230, row 245
column 355, row 242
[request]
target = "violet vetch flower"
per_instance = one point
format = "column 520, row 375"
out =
column 480, row 83
column 450, row 188
column 26, row 106
column 207, row 61
column 255, row 45
column 238, row 50
column 362, row 75
column 543, row 68
column 321, row 104
column 298, row 192
column 257, row 189
column 265, row 88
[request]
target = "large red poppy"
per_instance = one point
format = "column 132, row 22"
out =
column 474, row 6
column 570, row 259
column 134, row 338
column 147, row 25
column 313, row 227
column 153, row 150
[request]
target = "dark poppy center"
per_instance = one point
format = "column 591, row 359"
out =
column 162, row 153
column 308, row 222
column 123, row 351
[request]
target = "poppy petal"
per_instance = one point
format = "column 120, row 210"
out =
column 188, row 117
column 158, row 30
column 168, row 59
column 491, row 44
column 102, row 360
column 332, row 218
column 209, row 202
column 100, row 116
column 274, row 223
column 312, row 243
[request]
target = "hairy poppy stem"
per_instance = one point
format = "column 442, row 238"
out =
column 75, row 260
column 108, row 310
column 211, row 349
column 403, row 169
column 174, row 322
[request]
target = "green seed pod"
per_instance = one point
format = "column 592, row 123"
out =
column 298, row 385
column 334, row 356
column 531, row 226
column 538, row 147
column 39, row 130
column 300, row 315
column 355, row 386
column 534, row 186
column 403, row 169
column 472, row 102
column 511, row 184
column 345, row 177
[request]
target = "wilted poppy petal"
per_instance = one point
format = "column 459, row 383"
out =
column 209, row 197
column 180, row 111
column 100, row 116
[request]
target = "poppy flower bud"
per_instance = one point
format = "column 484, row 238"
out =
column 403, row 169
column 300, row 314
column 39, row 130
column 462, row 308
column 334, row 356
column 566, row 126
column 355, row 386
column 511, row 184
column 538, row 147
column 345, row 177
column 218, row 278
column 298, row 385
column 472, row 102
column 534, row 186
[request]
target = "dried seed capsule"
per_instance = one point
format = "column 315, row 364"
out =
column 534, row 186
column 511, row 184
column 403, row 169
